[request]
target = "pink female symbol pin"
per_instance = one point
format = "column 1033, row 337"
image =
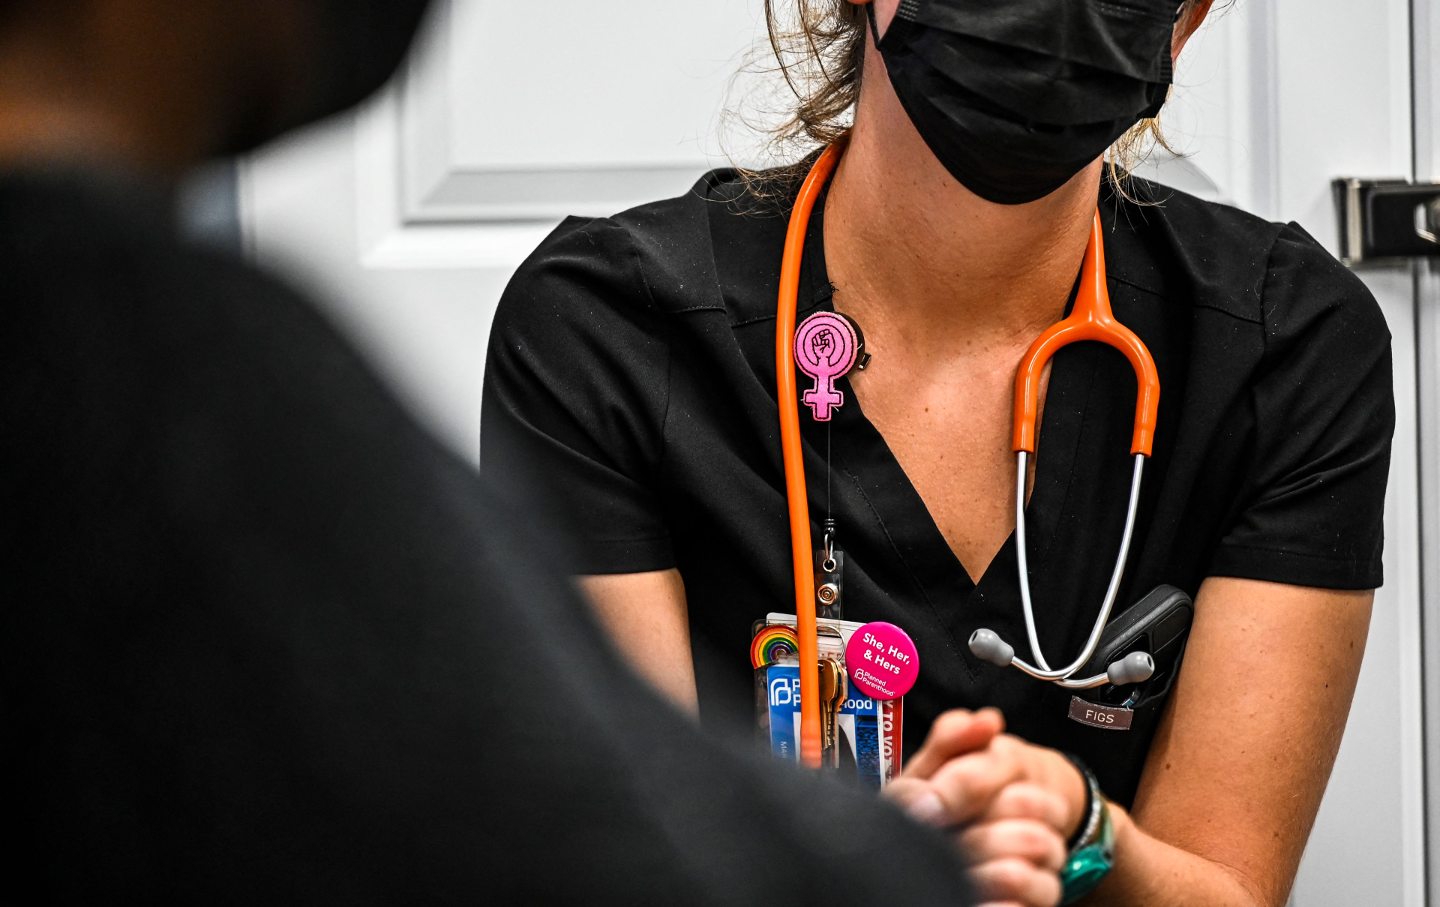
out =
column 826, row 347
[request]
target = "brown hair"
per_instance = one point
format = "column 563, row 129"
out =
column 821, row 54
column 820, row 51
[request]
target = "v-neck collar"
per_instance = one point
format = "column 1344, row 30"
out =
column 861, row 459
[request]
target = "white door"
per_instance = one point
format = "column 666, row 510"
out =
column 1426, row 25
column 1341, row 105
column 413, row 214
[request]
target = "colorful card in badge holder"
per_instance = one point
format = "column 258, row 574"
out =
column 861, row 743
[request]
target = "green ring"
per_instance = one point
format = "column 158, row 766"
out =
column 1087, row 865
column 1084, row 870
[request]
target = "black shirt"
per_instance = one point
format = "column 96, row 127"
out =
column 631, row 370
column 264, row 641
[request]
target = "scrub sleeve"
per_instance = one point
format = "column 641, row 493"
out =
column 1323, row 408
column 576, row 390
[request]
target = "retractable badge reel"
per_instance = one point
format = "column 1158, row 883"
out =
column 862, row 669
column 828, row 346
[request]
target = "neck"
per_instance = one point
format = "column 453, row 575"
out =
column 907, row 244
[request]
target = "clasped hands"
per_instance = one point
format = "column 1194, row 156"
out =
column 1009, row 806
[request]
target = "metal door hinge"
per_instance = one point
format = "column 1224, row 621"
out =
column 1386, row 220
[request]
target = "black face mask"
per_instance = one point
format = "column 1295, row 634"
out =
column 1017, row 96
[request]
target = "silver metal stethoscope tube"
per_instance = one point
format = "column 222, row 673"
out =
column 1135, row 667
column 1041, row 670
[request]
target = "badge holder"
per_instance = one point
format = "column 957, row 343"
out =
column 865, row 670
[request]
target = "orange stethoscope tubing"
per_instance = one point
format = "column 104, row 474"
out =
column 796, row 496
column 1090, row 319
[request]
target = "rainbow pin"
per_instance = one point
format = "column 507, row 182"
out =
column 771, row 644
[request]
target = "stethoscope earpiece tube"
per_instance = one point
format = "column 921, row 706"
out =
column 1137, row 667
column 1090, row 319
column 1041, row 669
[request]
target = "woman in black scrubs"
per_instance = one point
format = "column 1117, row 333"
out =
column 631, row 375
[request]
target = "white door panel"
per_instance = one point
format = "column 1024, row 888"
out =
column 1344, row 108
column 413, row 214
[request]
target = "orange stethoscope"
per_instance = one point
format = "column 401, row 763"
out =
column 1090, row 319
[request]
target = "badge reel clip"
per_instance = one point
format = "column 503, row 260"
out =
column 829, row 576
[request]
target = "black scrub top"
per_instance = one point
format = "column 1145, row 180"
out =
column 630, row 377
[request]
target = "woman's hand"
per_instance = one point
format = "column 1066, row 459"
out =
column 1010, row 806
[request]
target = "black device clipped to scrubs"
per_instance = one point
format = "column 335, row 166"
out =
column 1157, row 625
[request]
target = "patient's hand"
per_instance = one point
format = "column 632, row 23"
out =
column 1010, row 806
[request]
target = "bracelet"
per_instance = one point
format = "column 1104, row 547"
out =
column 1091, row 810
column 1092, row 848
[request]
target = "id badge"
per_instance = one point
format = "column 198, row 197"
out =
column 862, row 725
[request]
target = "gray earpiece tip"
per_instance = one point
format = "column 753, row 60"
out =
column 988, row 646
column 1133, row 668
